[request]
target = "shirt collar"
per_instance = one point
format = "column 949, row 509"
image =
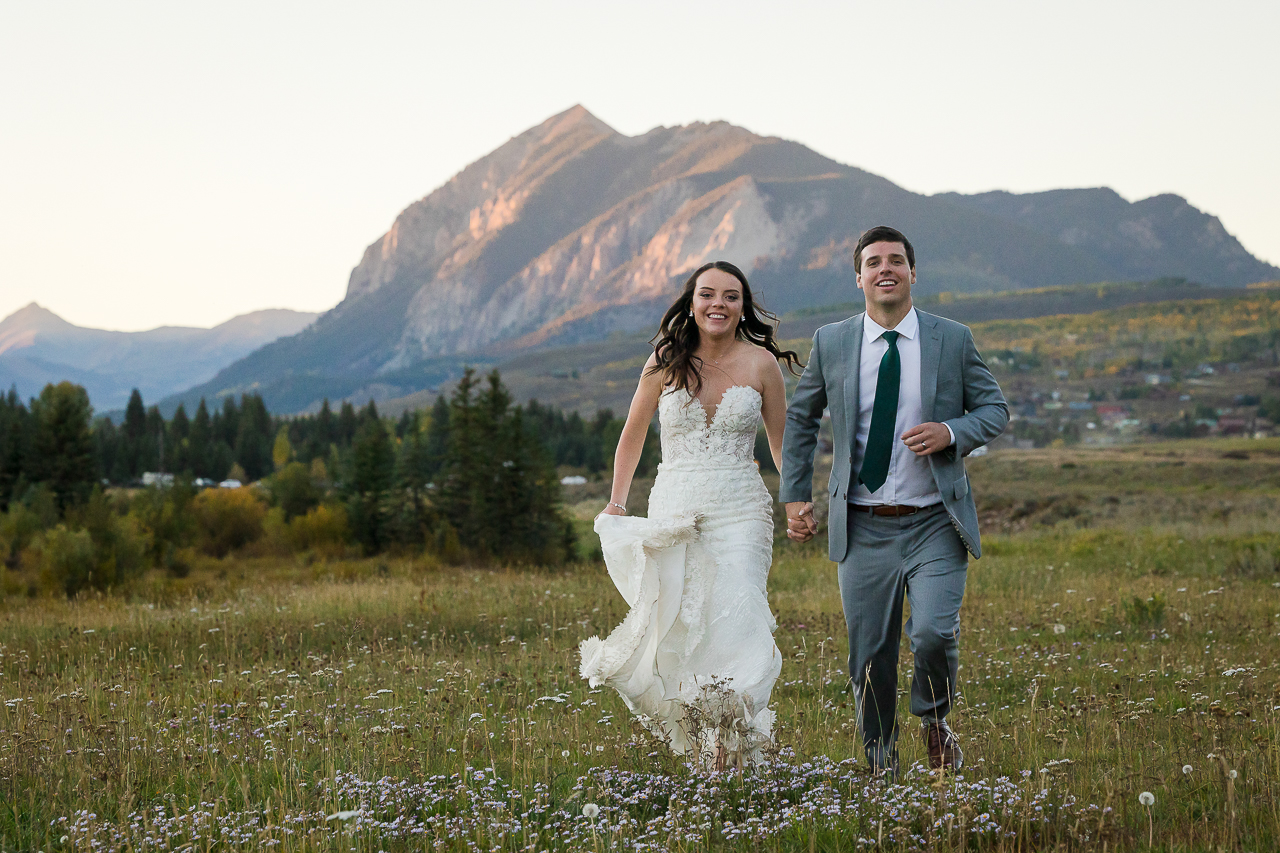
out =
column 907, row 327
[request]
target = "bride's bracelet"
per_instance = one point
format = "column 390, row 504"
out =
column 618, row 505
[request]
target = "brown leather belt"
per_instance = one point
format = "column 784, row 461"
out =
column 888, row 509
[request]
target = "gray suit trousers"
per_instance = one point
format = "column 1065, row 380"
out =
column 922, row 556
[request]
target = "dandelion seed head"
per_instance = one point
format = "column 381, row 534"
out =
column 1232, row 774
column 1186, row 769
column 1059, row 628
column 1147, row 798
column 590, row 811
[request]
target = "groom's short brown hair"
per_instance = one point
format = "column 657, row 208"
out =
column 882, row 234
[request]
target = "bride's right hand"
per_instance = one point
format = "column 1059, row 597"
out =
column 611, row 509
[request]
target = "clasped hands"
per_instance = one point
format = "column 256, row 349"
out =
column 922, row 440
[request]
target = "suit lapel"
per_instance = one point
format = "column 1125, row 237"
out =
column 851, row 359
column 930, row 357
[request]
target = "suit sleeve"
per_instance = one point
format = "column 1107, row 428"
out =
column 986, row 412
column 800, row 437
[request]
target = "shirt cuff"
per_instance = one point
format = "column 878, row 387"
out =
column 951, row 433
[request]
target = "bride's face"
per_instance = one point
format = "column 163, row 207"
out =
column 717, row 303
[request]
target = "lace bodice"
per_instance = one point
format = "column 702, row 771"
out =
column 729, row 437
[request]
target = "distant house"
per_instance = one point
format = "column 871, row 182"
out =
column 573, row 480
column 152, row 478
column 1112, row 415
column 1233, row 426
column 230, row 484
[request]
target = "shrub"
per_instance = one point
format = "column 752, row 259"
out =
column 294, row 489
column 36, row 512
column 165, row 518
column 1145, row 612
column 67, row 560
column 119, row 543
column 324, row 530
column 228, row 519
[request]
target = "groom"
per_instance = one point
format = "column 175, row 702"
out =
column 909, row 397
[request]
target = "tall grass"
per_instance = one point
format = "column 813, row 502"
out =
column 330, row 706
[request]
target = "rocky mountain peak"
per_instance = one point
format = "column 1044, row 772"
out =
column 571, row 231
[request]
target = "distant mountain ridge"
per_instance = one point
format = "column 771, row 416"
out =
column 38, row 347
column 572, row 231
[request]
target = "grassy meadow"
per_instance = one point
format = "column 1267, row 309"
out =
column 1120, row 636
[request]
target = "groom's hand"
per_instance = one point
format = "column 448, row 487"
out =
column 927, row 439
column 801, row 525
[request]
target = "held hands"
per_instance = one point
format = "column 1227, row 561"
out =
column 927, row 439
column 801, row 525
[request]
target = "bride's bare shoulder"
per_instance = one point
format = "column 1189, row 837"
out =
column 763, row 365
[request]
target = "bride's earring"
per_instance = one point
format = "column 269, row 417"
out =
column 690, row 312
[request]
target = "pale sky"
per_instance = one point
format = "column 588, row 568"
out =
column 181, row 163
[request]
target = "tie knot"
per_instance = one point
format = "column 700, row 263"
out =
column 891, row 337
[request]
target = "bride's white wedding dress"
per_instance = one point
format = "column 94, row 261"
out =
column 695, row 657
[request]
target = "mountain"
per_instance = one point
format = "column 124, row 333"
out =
column 38, row 347
column 571, row 232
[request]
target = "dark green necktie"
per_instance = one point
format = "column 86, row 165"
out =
column 884, row 414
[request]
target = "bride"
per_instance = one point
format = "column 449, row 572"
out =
column 695, row 657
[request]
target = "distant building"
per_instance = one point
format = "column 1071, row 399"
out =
column 230, row 484
column 1112, row 415
column 152, row 478
column 1233, row 426
column 573, row 480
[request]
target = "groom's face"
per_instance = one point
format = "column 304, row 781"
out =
column 886, row 276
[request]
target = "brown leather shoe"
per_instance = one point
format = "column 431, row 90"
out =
column 943, row 746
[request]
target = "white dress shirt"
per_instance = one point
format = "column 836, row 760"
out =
column 910, row 481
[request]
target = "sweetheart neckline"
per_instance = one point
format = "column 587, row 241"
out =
column 710, row 422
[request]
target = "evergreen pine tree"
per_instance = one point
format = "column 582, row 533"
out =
column 437, row 437
column 346, row 427
column 133, row 437
column 372, row 466
column 152, row 457
column 62, row 447
column 413, row 509
column 15, row 443
column 457, row 481
column 254, row 438
column 176, row 444
column 199, row 439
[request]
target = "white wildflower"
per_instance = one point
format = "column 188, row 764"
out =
column 343, row 815
column 564, row 753
column 590, row 811
column 1059, row 628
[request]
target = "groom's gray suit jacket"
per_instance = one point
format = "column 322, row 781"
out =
column 956, row 388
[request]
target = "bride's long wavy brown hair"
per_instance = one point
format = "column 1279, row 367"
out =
column 678, row 336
